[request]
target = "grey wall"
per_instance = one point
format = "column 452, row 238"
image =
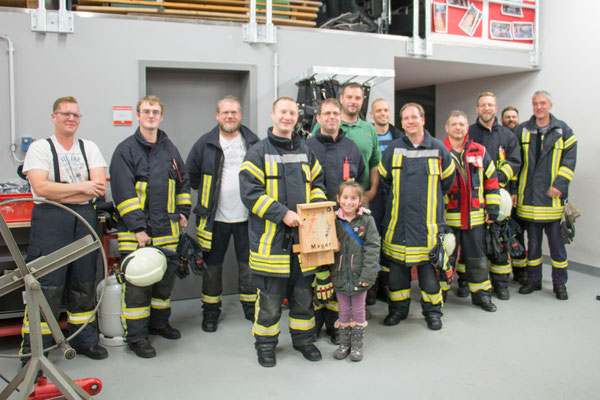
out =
column 570, row 60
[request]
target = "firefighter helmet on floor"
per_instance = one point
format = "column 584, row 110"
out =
column 145, row 266
column 505, row 205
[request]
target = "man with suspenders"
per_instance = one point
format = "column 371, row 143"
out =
column 70, row 172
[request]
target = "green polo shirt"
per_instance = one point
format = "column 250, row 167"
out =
column 365, row 136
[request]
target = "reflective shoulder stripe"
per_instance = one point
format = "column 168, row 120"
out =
column 570, row 142
column 417, row 153
column 316, row 170
column 287, row 158
column 382, row 170
column 254, row 170
column 490, row 170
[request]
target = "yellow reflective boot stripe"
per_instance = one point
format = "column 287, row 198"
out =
column 204, row 236
column 248, row 298
column 80, row 318
column 460, row 267
column 261, row 205
column 435, row 298
column 559, row 264
column 136, row 313
column 206, row 182
column 128, row 205
column 45, row 329
column 500, row 269
column 140, row 188
column 536, row 262
column 475, row 287
column 254, row 170
column 445, row 286
column 210, row 299
column 318, row 306
column 302, row 324
column 519, row 262
column 385, row 268
column 399, row 295
column 183, row 199
column 160, row 304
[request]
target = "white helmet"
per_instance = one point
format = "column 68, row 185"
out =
column 145, row 266
column 449, row 242
column 505, row 205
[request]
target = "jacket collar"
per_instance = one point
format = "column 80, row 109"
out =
column 160, row 137
column 466, row 142
column 213, row 136
column 427, row 142
column 554, row 123
column 284, row 143
column 328, row 139
column 484, row 128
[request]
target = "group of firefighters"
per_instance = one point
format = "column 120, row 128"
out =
column 418, row 188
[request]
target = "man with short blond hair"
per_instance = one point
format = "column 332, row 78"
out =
column 214, row 164
column 69, row 171
column 151, row 189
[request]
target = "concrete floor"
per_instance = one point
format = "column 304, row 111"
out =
column 533, row 347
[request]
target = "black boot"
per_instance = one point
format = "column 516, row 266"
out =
column 95, row 353
column 560, row 290
column 168, row 332
column 394, row 318
column 530, row 287
column 209, row 323
column 485, row 302
column 434, row 322
column 142, row 348
column 463, row 289
column 501, row 291
column 334, row 335
column 309, row 351
column 266, row 355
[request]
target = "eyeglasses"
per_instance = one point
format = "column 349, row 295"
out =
column 150, row 112
column 68, row 115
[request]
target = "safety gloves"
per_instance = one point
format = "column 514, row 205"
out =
column 323, row 285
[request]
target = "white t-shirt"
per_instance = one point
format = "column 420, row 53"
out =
column 71, row 162
column 230, row 208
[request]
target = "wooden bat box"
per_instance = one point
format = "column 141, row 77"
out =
column 318, row 238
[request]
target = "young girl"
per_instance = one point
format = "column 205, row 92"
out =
column 354, row 269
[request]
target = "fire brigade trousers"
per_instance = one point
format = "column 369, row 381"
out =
column 212, row 280
column 271, row 292
column 326, row 313
column 51, row 229
column 558, row 253
column 400, row 279
column 473, row 265
column 148, row 306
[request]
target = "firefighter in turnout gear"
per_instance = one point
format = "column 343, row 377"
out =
column 70, row 172
column 152, row 192
column 503, row 147
column 549, row 150
column 278, row 173
column 214, row 164
column 472, row 201
column 416, row 171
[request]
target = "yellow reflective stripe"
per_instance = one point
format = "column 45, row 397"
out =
column 519, row 263
column 490, row 170
column 275, row 264
column 302, row 324
column 385, row 268
column 318, row 306
column 254, row 170
column 452, row 219
column 272, row 187
column 559, row 264
column 566, row 173
column 536, row 262
column 449, row 170
column 460, row 267
column 333, row 306
column 445, row 286
column 204, row 236
column 475, row 287
column 525, row 137
column 136, row 313
column 406, row 254
column 538, row 213
column 140, row 189
column 266, row 238
column 210, row 299
column 44, row 328
column 399, row 295
column 432, row 298
column 492, row 198
column 433, row 180
column 265, row 330
column 165, row 240
column 396, row 175
column 80, row 318
column 500, row 269
column 206, row 182
column 128, row 205
column 316, row 194
column 126, row 241
column 183, row 199
column 171, row 197
column 261, row 205
column 508, row 171
column 160, row 304
column 315, row 170
column 248, row 298
column 570, row 142
column 381, row 169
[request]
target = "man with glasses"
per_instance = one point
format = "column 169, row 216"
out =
column 70, row 172
column 214, row 166
column 151, row 190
